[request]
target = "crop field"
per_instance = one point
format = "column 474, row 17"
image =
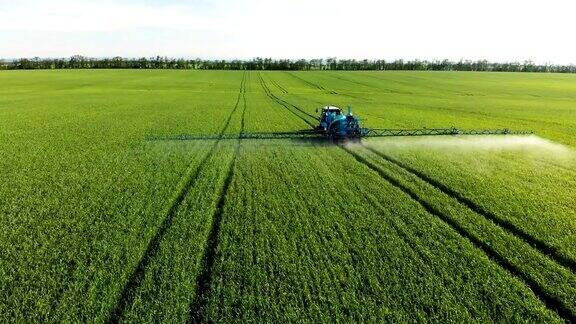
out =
column 107, row 215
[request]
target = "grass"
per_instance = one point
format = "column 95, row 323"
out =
column 97, row 223
column 535, row 173
column 543, row 103
column 366, row 251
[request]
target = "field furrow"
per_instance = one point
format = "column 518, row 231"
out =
column 262, row 262
column 534, row 172
column 110, row 213
column 305, row 117
column 201, row 297
column 310, row 84
column 169, row 286
column 556, row 296
column 514, row 229
column 515, row 255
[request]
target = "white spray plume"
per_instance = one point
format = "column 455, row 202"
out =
column 528, row 147
column 488, row 142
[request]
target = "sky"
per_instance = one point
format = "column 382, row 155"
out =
column 496, row 30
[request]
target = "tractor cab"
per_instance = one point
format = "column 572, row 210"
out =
column 332, row 110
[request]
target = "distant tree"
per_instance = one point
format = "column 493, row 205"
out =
column 258, row 63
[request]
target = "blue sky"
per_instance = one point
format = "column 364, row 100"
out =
column 498, row 30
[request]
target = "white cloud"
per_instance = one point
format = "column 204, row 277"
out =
column 83, row 16
column 498, row 30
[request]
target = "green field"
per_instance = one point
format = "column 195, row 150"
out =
column 103, row 220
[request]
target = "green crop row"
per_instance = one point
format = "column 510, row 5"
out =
column 169, row 289
column 82, row 191
column 543, row 103
column 553, row 283
column 105, row 216
column 551, row 277
column 309, row 234
column 524, row 181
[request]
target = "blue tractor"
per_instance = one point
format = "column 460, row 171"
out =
column 336, row 125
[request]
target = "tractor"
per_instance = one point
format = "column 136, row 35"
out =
column 337, row 126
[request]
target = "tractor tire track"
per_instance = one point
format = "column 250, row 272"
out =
column 312, row 84
column 339, row 77
column 197, row 309
column 510, row 227
column 320, row 87
column 380, row 89
column 191, row 176
column 285, row 104
column 549, row 301
column 282, row 89
column 243, row 120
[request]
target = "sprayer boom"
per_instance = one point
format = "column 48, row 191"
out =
column 335, row 125
column 365, row 132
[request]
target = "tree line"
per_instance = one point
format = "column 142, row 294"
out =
column 81, row 62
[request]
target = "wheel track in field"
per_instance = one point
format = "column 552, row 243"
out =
column 321, row 88
column 281, row 88
column 191, row 176
column 286, row 104
column 551, row 302
column 243, row 120
column 197, row 309
column 385, row 90
column 422, row 85
column 510, row 227
column 544, row 248
column 339, row 77
column 312, row 84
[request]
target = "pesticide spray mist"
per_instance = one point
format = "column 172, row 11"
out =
column 529, row 144
column 526, row 148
